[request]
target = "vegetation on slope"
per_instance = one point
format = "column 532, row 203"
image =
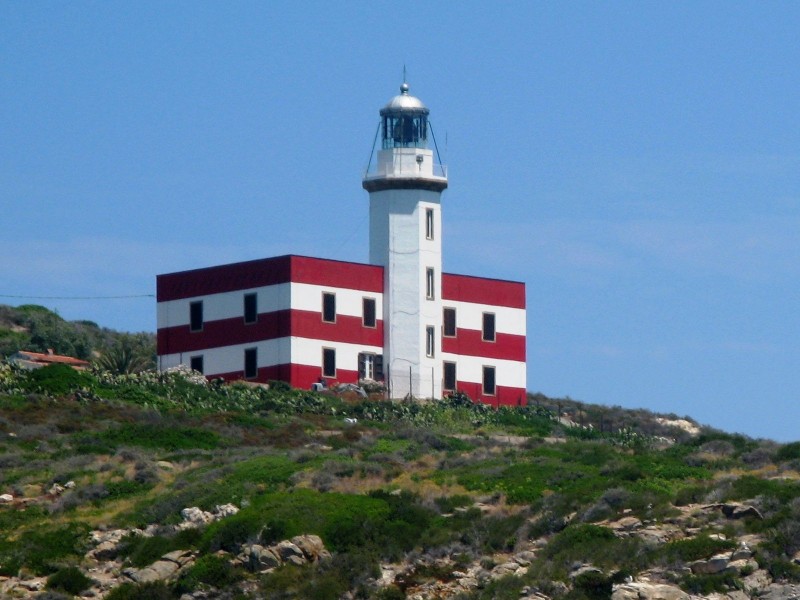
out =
column 439, row 486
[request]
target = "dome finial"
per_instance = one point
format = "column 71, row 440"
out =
column 404, row 86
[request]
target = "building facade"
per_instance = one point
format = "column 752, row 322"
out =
column 397, row 320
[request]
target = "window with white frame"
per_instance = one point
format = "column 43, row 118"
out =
column 328, row 362
column 429, row 223
column 449, row 383
column 449, row 322
column 329, row 307
column 251, row 363
column 489, row 333
column 489, row 386
column 430, row 288
column 196, row 316
column 430, row 341
column 250, row 308
column 368, row 309
column 196, row 363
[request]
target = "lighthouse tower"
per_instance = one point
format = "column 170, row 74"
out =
column 405, row 238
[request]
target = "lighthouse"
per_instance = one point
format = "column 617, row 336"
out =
column 405, row 238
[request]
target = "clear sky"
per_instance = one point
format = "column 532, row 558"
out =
column 637, row 164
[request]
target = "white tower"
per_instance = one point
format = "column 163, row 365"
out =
column 405, row 237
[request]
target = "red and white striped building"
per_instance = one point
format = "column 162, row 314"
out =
column 398, row 319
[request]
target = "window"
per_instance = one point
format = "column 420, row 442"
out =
column 196, row 363
column 369, row 312
column 488, row 381
column 449, row 322
column 250, row 308
column 488, row 327
column 429, row 223
column 329, row 307
column 196, row 316
column 430, row 341
column 370, row 366
column 251, row 363
column 449, row 376
column 328, row 362
column 429, row 287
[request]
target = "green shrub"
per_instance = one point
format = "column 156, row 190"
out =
column 58, row 380
column 145, row 550
column 696, row 548
column 156, row 590
column 41, row 550
column 594, row 585
column 70, row 580
column 708, row 584
column 788, row 452
column 210, row 569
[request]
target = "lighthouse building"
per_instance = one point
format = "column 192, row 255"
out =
column 398, row 320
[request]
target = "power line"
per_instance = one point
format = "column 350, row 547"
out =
column 78, row 297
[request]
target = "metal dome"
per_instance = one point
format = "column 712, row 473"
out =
column 404, row 102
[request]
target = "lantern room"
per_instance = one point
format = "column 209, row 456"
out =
column 404, row 122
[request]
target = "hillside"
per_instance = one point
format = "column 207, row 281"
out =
column 38, row 329
column 163, row 486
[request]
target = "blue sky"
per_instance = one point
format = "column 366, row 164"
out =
column 637, row 164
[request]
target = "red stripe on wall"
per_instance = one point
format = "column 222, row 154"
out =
column 268, row 271
column 272, row 325
column 505, row 396
column 299, row 376
column 481, row 290
column 469, row 342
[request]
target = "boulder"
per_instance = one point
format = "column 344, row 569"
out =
column 757, row 580
column 225, row 510
column 285, row 549
column 715, row 564
column 743, row 552
column 777, row 591
column 648, row 591
column 260, row 558
column 311, row 546
column 6, row 498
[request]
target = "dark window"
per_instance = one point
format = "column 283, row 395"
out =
column 250, row 308
column 488, row 381
column 488, row 327
column 329, row 307
column 328, row 362
column 430, row 341
column 196, row 363
column 450, row 376
column 251, row 363
column 430, row 289
column 449, row 319
column 196, row 316
column 429, row 223
column 369, row 312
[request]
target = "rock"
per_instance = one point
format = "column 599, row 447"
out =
column 757, row 580
column 196, row 517
column 225, row 510
column 164, row 568
column 737, row 566
column 626, row 524
column 32, row 585
column 69, row 485
column 715, row 564
column 734, row 510
column 311, row 546
column 166, row 465
column 6, row 498
column 737, row 595
column 179, row 557
column 648, row 591
column 741, row 553
column 55, row 490
column 776, row 591
column 260, row 558
column 285, row 549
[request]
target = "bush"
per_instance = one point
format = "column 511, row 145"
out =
column 157, row 590
column 210, row 569
column 70, row 580
column 59, row 380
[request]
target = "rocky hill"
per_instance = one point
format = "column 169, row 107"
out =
column 162, row 486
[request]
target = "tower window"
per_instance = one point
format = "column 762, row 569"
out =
column 429, row 223
column 369, row 312
column 449, row 322
column 488, row 327
column 251, row 363
column 328, row 362
column 489, row 388
column 329, row 307
column 430, row 341
column 196, row 316
column 449, row 383
column 430, row 289
column 196, row 363
column 250, row 308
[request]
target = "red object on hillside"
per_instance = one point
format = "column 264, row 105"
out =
column 37, row 360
